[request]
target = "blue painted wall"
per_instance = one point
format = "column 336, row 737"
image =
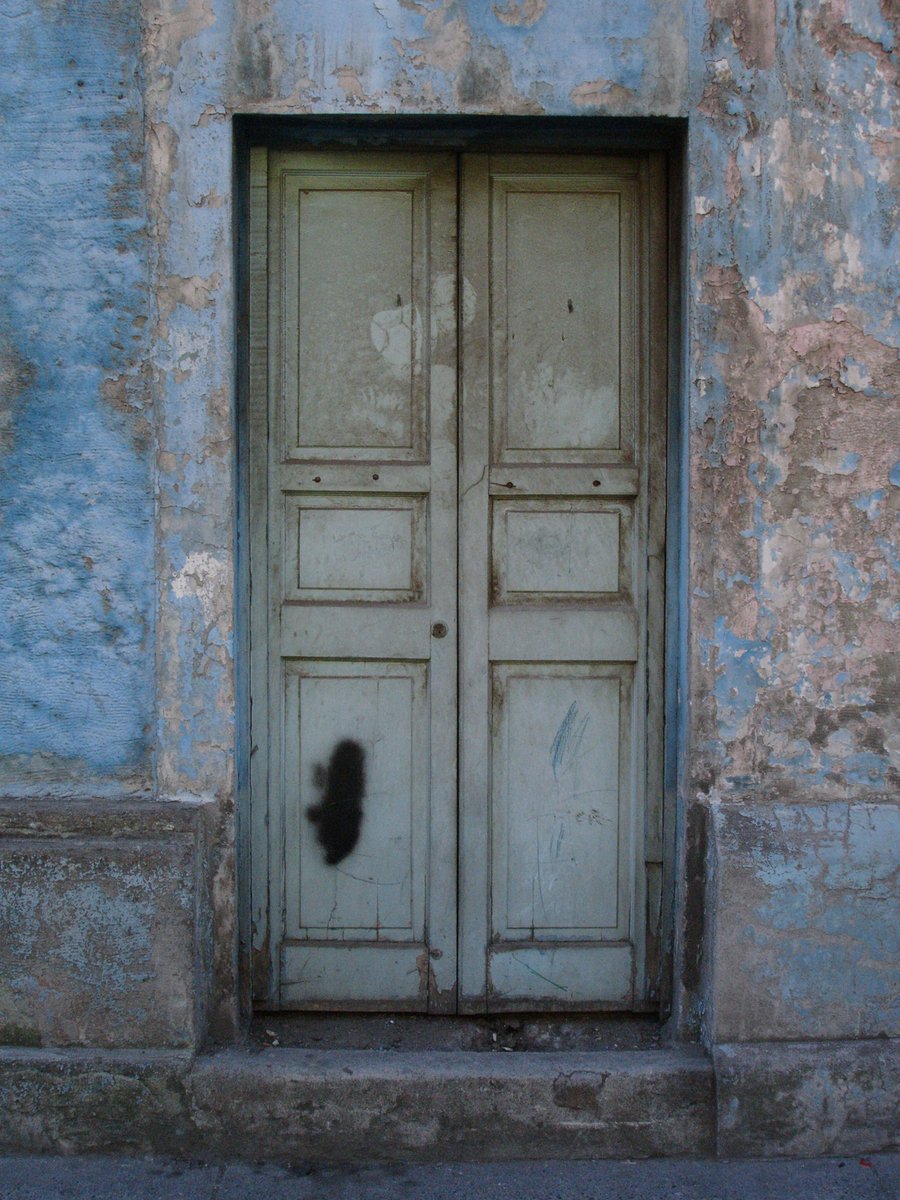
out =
column 793, row 399
column 793, row 248
column 76, row 539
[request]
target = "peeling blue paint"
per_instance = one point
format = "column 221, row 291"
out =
column 738, row 677
column 791, row 250
column 870, row 503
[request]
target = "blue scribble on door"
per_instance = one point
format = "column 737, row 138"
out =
column 564, row 750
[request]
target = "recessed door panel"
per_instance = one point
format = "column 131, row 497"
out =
column 356, row 759
column 355, row 548
column 559, row 549
column 356, row 302
column 563, row 314
column 562, row 268
column 557, row 793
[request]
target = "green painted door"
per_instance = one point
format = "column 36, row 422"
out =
column 457, row 470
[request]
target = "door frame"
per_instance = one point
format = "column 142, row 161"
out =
column 568, row 135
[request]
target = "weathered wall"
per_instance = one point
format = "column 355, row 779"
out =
column 76, row 539
column 804, row 941
column 794, row 476
column 103, row 923
column 794, row 383
column 790, row 390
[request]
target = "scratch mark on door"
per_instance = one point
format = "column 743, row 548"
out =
column 545, row 978
column 567, row 742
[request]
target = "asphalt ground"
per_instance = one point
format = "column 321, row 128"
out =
column 871, row 1177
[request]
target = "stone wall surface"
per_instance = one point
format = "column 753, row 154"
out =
column 117, row 425
column 102, row 925
column 806, row 944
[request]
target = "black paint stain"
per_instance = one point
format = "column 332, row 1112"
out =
column 339, row 814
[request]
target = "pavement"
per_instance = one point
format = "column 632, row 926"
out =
column 871, row 1177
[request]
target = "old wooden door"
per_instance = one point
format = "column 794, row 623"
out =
column 452, row 366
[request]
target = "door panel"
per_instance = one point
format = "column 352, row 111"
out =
column 554, row 634
column 360, row 713
column 543, row 497
column 356, row 287
column 560, row 549
column 562, row 305
column 381, row 707
column 556, row 804
column 359, row 549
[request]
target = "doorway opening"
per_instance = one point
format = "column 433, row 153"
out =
column 456, row 428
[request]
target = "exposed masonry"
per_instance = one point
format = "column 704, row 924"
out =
column 117, row 407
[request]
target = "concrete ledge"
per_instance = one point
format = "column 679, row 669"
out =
column 342, row 1106
column 330, row 1106
column 77, row 1101
column 807, row 1098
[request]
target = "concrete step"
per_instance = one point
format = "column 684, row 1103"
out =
column 288, row 1104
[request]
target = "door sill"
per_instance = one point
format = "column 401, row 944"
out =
column 411, row 1032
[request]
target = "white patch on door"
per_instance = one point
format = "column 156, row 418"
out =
column 396, row 334
column 443, row 308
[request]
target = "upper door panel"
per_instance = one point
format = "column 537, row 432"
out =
column 563, row 311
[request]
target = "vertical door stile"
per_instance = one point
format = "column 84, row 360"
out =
column 442, row 333
column 655, row 360
column 257, row 552
column 267, row 593
column 475, row 705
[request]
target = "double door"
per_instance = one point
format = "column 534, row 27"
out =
column 457, row 480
